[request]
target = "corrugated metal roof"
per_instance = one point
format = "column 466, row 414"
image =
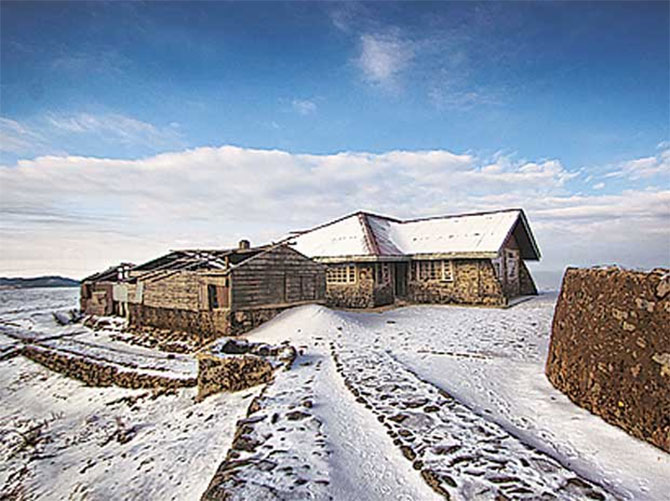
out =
column 461, row 235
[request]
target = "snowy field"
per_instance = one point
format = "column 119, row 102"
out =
column 377, row 406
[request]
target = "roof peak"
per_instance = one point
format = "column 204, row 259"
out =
column 466, row 214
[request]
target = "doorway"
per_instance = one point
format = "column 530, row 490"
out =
column 400, row 274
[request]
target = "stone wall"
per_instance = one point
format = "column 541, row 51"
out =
column 218, row 373
column 610, row 348
column 383, row 294
column 200, row 325
column 98, row 374
column 474, row 282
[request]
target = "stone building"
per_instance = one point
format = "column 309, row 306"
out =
column 468, row 259
column 211, row 293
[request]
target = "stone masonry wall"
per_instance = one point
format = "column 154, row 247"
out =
column 98, row 374
column 230, row 373
column 383, row 294
column 475, row 282
column 610, row 348
column 201, row 325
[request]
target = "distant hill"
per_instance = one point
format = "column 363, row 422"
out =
column 27, row 283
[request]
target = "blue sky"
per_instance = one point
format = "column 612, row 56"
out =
column 578, row 90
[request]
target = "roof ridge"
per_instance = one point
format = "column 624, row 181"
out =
column 370, row 238
column 481, row 213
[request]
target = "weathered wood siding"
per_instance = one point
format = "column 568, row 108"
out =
column 526, row 283
column 96, row 298
column 280, row 276
column 178, row 290
column 511, row 265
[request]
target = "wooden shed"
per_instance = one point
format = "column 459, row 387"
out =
column 211, row 293
column 101, row 293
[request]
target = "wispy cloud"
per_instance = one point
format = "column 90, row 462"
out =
column 18, row 138
column 644, row 168
column 115, row 127
column 304, row 106
column 383, row 57
column 449, row 63
column 53, row 133
column 215, row 196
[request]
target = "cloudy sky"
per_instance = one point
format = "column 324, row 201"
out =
column 128, row 129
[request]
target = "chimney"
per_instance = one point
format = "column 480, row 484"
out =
column 244, row 244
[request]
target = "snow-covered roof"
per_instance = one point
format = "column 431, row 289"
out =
column 365, row 235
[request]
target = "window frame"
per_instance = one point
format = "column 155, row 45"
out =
column 447, row 264
column 432, row 270
column 342, row 274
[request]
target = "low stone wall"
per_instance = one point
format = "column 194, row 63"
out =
column 610, row 348
column 199, row 327
column 234, row 364
column 218, row 373
column 98, row 374
column 474, row 282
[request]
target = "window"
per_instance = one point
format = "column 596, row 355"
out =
column 212, row 297
column 383, row 273
column 512, row 265
column 341, row 274
column 428, row 270
column 497, row 266
column 447, row 271
column 432, row 271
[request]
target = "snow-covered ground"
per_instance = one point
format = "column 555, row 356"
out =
column 376, row 407
column 60, row 439
column 484, row 368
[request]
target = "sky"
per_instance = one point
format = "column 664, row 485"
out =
column 128, row 129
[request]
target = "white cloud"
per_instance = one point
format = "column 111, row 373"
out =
column 647, row 167
column 79, row 214
column 383, row 57
column 303, row 106
column 598, row 186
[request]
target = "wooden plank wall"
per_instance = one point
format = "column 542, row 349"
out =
column 280, row 276
column 178, row 290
